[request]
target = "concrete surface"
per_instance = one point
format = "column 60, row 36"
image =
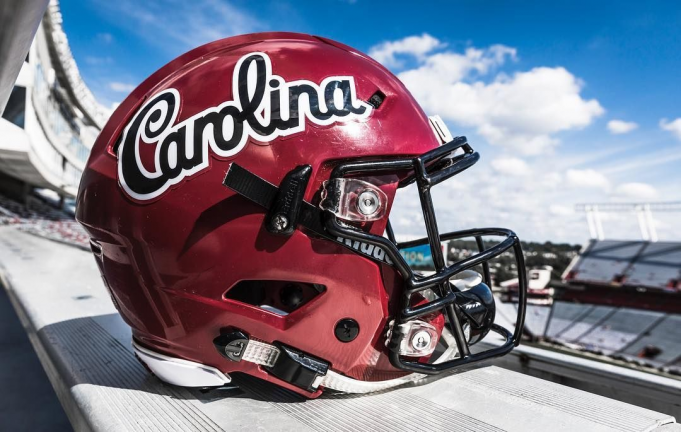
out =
column 27, row 400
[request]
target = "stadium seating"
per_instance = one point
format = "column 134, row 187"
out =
column 563, row 316
column 592, row 316
column 605, row 260
column 658, row 264
column 536, row 318
column 659, row 345
column 619, row 330
column 39, row 218
column 647, row 338
column 628, row 263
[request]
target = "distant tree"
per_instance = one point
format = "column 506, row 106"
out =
column 556, row 255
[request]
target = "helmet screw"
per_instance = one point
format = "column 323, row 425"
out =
column 368, row 202
column 346, row 330
column 280, row 222
column 420, row 340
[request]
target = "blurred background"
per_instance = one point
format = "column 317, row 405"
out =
column 573, row 105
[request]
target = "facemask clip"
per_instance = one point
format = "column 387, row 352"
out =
column 354, row 200
column 412, row 339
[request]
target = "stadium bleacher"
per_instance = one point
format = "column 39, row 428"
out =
column 563, row 316
column 659, row 345
column 643, row 337
column 603, row 261
column 536, row 318
column 584, row 323
column 622, row 299
column 657, row 266
column 41, row 219
column 654, row 265
column 618, row 330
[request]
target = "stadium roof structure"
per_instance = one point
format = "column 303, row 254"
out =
column 52, row 118
column 642, row 210
column 19, row 20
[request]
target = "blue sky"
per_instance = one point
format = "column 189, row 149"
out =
column 567, row 101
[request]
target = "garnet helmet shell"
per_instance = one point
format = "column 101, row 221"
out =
column 175, row 242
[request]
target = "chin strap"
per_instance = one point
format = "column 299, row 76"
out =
column 266, row 355
column 336, row 381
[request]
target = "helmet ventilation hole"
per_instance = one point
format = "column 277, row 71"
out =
column 376, row 99
column 280, row 297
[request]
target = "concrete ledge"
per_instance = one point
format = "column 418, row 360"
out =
column 85, row 348
column 606, row 379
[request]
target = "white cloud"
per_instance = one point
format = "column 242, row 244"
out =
column 177, row 25
column 510, row 166
column 552, row 179
column 636, row 191
column 527, row 110
column 538, row 207
column 587, row 178
column 673, row 126
column 121, row 87
column 534, row 208
column 618, row 127
column 521, row 112
column 448, row 68
column 561, row 210
column 634, row 165
column 417, row 46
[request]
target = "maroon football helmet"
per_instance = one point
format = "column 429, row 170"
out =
column 238, row 204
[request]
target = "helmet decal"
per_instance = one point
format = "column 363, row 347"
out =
column 265, row 107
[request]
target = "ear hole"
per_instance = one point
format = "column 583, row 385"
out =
column 280, row 297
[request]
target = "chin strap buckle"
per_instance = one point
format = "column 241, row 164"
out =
column 236, row 347
column 298, row 368
column 232, row 345
column 286, row 363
